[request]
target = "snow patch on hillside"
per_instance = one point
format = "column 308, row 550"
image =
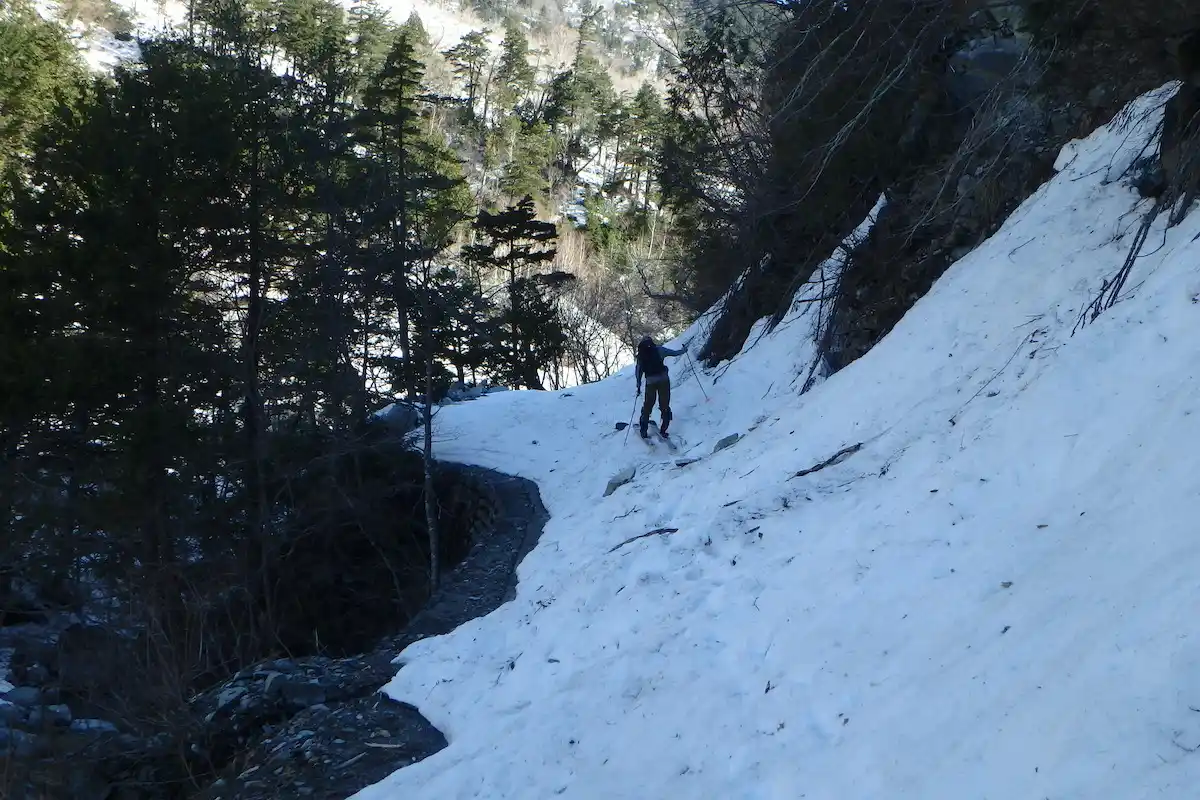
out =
column 990, row 594
column 445, row 24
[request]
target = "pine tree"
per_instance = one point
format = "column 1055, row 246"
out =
column 39, row 73
column 469, row 58
column 316, row 321
column 415, row 202
column 412, row 195
column 645, row 143
column 514, row 75
column 372, row 37
column 529, row 162
column 141, row 354
column 513, row 242
column 465, row 331
column 307, row 30
column 418, row 37
column 577, row 106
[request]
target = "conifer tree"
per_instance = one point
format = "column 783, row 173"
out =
column 645, row 143
column 371, row 38
column 514, row 75
column 39, row 73
column 410, row 193
column 512, row 243
column 469, row 58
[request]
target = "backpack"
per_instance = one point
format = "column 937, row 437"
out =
column 649, row 359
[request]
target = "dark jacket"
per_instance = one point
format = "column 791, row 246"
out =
column 662, row 376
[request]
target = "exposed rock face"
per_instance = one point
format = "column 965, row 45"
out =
column 1187, row 55
column 984, row 120
column 1082, row 71
column 1181, row 122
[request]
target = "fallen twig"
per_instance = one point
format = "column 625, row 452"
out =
column 655, row 532
column 836, row 458
column 352, row 761
column 626, row 514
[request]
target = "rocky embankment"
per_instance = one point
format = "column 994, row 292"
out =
column 302, row 727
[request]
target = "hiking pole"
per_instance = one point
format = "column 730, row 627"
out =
column 630, row 425
column 694, row 375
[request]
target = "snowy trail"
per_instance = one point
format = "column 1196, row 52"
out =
column 1001, row 606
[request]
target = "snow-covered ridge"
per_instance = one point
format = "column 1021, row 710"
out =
column 445, row 22
column 992, row 598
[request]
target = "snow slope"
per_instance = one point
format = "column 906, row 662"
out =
column 993, row 598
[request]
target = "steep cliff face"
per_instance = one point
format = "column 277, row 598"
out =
column 1180, row 178
column 981, row 119
column 1054, row 73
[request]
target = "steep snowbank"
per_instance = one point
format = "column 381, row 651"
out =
column 994, row 598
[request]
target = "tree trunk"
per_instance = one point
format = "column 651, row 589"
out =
column 518, row 358
column 330, row 275
column 366, row 350
column 400, row 244
column 483, row 120
column 253, row 412
column 156, row 548
column 431, row 516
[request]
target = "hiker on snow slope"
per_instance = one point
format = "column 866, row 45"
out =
column 658, row 382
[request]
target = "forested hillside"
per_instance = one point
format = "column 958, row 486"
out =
column 220, row 260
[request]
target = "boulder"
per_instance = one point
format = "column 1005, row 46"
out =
column 55, row 716
column 93, row 726
column 12, row 714
column 37, row 673
column 299, row 695
column 728, row 441
column 620, row 479
column 401, row 417
column 26, row 696
column 23, row 745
